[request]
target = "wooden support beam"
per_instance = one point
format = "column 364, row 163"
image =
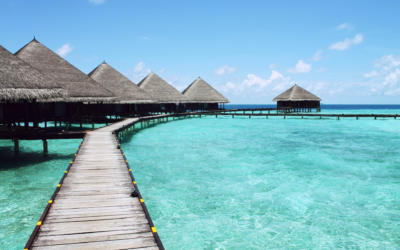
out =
column 45, row 146
column 26, row 121
column 16, row 146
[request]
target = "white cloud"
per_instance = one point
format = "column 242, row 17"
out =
column 392, row 78
column 225, row 70
column 255, row 84
column 344, row 26
column 173, row 80
column 387, row 62
column 272, row 66
column 301, row 67
column 143, row 37
column 64, row 50
column 97, row 1
column 317, row 56
column 343, row 45
column 139, row 72
column 321, row 70
column 373, row 73
column 162, row 70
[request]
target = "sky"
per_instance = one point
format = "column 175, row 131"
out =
column 345, row 52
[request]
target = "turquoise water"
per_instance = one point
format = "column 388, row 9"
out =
column 238, row 183
column 271, row 183
column 28, row 181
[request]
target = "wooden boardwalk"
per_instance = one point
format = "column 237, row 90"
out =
column 93, row 207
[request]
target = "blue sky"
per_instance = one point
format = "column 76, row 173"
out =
column 251, row 51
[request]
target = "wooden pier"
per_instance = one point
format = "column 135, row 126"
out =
column 97, row 204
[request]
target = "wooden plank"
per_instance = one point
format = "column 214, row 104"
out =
column 90, row 226
column 71, row 218
column 113, row 244
column 91, row 237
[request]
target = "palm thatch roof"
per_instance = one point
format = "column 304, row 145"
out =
column 201, row 92
column 160, row 90
column 80, row 87
column 123, row 88
column 296, row 93
column 20, row 81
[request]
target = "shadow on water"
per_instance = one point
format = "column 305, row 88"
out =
column 27, row 181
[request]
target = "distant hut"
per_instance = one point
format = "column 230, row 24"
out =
column 203, row 96
column 80, row 87
column 20, row 82
column 297, row 99
column 125, row 90
column 162, row 92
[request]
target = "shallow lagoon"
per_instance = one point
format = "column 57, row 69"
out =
column 271, row 183
column 238, row 183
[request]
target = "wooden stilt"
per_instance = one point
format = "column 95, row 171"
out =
column 45, row 146
column 16, row 146
column 26, row 121
column 66, row 126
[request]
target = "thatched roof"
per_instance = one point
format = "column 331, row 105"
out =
column 80, row 87
column 160, row 90
column 20, row 81
column 296, row 93
column 201, row 92
column 123, row 88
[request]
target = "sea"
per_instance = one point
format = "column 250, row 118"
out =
column 239, row 183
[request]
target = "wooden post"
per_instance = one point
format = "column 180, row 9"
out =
column 249, row 116
column 284, row 117
column 122, row 133
column 301, row 117
column 357, row 118
column 80, row 124
column 233, row 116
column 92, row 124
column 216, row 116
column 45, row 146
column 266, row 116
column 34, row 113
column 375, row 118
column 66, row 125
column 45, row 124
column 26, row 122
column 8, row 114
column 55, row 124
column 16, row 146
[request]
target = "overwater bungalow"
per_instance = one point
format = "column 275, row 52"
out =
column 131, row 100
column 21, row 88
column 297, row 99
column 81, row 88
column 203, row 97
column 168, row 98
